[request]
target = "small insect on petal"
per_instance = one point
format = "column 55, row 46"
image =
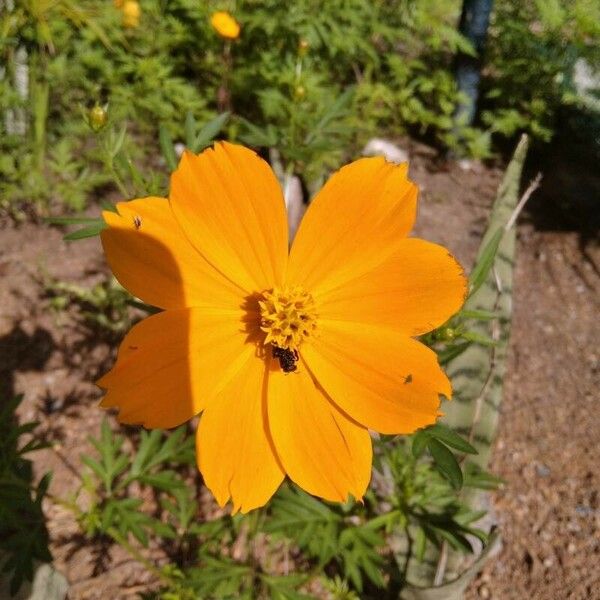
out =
column 287, row 358
column 137, row 221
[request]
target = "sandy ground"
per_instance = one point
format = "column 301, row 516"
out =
column 549, row 510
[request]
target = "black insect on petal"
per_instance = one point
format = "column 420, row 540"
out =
column 287, row 358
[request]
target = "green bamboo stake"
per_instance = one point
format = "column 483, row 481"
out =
column 477, row 376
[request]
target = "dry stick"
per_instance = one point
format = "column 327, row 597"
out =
column 534, row 185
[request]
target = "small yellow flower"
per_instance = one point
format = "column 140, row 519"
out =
column 225, row 25
column 291, row 357
column 131, row 14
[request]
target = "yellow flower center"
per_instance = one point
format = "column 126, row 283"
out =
column 288, row 317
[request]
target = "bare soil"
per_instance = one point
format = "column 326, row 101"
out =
column 546, row 450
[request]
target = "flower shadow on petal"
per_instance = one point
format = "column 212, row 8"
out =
column 251, row 325
column 151, row 382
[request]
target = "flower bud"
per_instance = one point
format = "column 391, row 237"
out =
column 446, row 334
column 300, row 92
column 303, row 47
column 97, row 117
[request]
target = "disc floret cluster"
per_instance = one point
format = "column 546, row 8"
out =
column 288, row 317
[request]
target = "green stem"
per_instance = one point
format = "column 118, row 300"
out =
column 117, row 179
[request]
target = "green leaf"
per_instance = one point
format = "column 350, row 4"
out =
column 71, row 220
column 209, row 132
column 86, row 232
column 420, row 542
column 149, row 444
column 419, row 443
column 112, row 463
column 451, row 352
column 479, row 315
column 218, row 578
column 116, row 142
column 450, row 438
column 166, row 147
column 477, row 338
column 256, row 136
column 167, row 481
column 190, row 129
column 163, row 530
column 485, row 262
column 478, row 478
column 109, row 206
column 455, row 538
column 95, row 466
column 445, row 462
column 283, row 587
column 335, row 111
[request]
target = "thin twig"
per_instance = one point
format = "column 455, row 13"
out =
column 441, row 565
column 534, row 185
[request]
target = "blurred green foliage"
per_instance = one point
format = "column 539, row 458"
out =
column 312, row 79
column 532, row 51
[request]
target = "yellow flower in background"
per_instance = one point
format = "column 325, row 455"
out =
column 131, row 14
column 225, row 25
column 290, row 357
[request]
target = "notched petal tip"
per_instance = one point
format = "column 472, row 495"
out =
column 445, row 385
column 233, row 448
column 333, row 246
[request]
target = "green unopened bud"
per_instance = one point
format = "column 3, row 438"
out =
column 303, row 47
column 446, row 334
column 97, row 117
column 300, row 92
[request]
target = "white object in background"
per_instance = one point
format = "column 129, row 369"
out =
column 382, row 147
column 15, row 119
column 294, row 202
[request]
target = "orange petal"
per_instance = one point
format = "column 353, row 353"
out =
column 352, row 225
column 151, row 257
column 231, row 207
column 414, row 291
column 234, row 447
column 321, row 449
column 385, row 380
column 172, row 364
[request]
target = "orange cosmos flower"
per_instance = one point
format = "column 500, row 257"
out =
column 225, row 25
column 131, row 14
column 289, row 357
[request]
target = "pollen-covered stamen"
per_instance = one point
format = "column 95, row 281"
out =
column 288, row 317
